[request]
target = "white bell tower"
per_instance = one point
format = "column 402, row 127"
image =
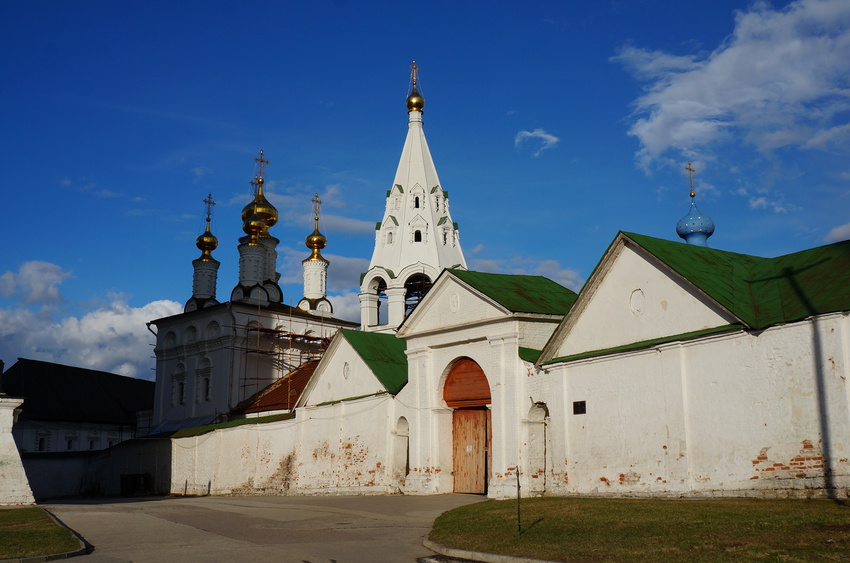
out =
column 416, row 239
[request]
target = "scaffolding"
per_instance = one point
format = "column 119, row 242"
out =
column 284, row 349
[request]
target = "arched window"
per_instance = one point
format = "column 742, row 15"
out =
column 417, row 236
column 389, row 237
column 416, row 202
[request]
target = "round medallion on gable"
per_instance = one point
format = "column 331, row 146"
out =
column 637, row 302
column 454, row 303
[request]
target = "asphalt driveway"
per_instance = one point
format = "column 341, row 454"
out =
column 317, row 529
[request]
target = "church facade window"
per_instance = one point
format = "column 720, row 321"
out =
column 42, row 440
column 94, row 439
column 213, row 330
column 170, row 340
column 417, row 236
column 71, row 440
column 178, row 386
column 203, row 382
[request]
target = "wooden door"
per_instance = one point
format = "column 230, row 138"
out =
column 470, row 437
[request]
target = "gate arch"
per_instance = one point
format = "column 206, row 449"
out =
column 467, row 391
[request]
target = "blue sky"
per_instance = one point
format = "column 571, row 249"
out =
column 552, row 125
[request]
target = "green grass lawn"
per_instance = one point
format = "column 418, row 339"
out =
column 27, row 532
column 593, row 529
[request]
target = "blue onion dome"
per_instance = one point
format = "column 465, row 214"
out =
column 695, row 227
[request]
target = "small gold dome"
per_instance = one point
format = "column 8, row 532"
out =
column 261, row 207
column 254, row 226
column 206, row 243
column 415, row 102
column 316, row 240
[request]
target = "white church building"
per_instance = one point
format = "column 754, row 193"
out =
column 678, row 370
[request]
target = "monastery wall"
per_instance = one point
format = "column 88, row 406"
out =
column 343, row 448
column 738, row 414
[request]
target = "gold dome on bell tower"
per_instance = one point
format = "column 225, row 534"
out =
column 415, row 101
column 260, row 206
column 316, row 241
column 207, row 242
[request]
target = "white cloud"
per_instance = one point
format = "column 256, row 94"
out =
column 113, row 338
column 34, row 283
column 337, row 224
column 779, row 80
column 539, row 138
column 841, row 232
column 346, row 305
column 343, row 272
column 199, row 172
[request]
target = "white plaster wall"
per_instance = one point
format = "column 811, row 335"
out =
column 14, row 486
column 535, row 334
column 734, row 414
column 333, row 382
column 661, row 306
column 344, row 448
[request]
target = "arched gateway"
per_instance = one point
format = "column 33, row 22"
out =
column 468, row 393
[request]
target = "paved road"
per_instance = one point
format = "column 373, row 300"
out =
column 361, row 529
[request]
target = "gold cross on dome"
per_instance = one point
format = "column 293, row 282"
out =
column 316, row 204
column 691, row 171
column 414, row 73
column 209, row 203
column 262, row 162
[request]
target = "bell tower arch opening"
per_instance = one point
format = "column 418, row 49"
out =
column 415, row 289
column 467, row 391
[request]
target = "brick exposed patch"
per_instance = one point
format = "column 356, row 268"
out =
column 806, row 464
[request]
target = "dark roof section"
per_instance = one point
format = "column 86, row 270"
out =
column 521, row 294
column 762, row 291
column 384, row 354
column 71, row 394
column 280, row 395
column 276, row 307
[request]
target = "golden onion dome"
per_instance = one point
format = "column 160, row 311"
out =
column 261, row 207
column 254, row 226
column 415, row 102
column 206, row 243
column 316, row 241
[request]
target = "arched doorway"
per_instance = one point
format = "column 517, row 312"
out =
column 401, row 452
column 468, row 393
column 535, row 449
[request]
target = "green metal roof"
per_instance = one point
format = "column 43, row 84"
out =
column 197, row 431
column 529, row 354
column 521, row 294
column 384, row 354
column 762, row 291
column 644, row 344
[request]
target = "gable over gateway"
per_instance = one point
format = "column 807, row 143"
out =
column 461, row 297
